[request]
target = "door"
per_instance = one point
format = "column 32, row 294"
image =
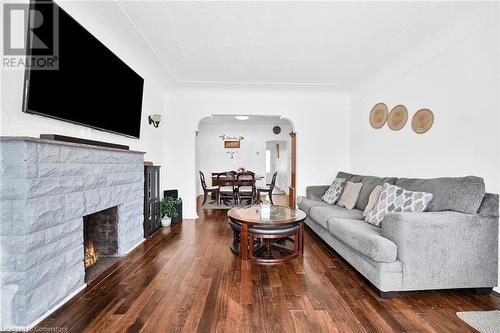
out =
column 277, row 160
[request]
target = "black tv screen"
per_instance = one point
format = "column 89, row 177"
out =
column 91, row 85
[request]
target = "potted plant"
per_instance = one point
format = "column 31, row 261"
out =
column 167, row 210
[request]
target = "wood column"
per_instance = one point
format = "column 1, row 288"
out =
column 292, row 194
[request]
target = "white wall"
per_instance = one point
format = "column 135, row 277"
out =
column 251, row 155
column 456, row 77
column 320, row 118
column 456, row 74
column 105, row 21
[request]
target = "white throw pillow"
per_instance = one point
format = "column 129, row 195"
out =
column 372, row 200
column 395, row 199
column 350, row 195
column 333, row 193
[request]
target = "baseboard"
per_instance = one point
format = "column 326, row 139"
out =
column 46, row 314
column 133, row 247
column 497, row 289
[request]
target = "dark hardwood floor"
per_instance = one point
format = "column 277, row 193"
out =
column 185, row 279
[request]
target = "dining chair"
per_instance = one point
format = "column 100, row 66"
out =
column 268, row 189
column 227, row 187
column 208, row 190
column 246, row 186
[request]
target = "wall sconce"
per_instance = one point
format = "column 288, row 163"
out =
column 154, row 119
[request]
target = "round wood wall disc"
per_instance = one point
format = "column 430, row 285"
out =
column 397, row 117
column 422, row 121
column 378, row 115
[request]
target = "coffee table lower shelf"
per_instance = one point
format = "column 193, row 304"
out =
column 269, row 252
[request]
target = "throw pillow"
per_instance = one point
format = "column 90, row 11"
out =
column 334, row 191
column 350, row 195
column 372, row 200
column 395, row 199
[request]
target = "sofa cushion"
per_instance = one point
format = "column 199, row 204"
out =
column 369, row 184
column 322, row 215
column 365, row 238
column 306, row 204
column 460, row 194
column 350, row 177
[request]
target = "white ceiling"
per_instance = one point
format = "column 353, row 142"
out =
column 252, row 120
column 306, row 43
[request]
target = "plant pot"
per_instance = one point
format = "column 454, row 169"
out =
column 166, row 221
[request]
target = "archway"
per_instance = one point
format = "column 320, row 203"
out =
column 230, row 142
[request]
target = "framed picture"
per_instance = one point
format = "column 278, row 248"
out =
column 232, row 144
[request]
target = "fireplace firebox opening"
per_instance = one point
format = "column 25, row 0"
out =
column 100, row 239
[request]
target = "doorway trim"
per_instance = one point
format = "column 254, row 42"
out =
column 292, row 195
column 292, row 190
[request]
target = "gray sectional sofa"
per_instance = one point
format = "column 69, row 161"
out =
column 454, row 244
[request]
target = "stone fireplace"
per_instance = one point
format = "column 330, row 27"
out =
column 49, row 192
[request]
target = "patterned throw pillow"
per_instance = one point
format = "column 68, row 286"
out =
column 395, row 199
column 333, row 194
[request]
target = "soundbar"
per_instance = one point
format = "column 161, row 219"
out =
column 57, row 137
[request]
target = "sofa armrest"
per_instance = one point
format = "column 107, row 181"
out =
column 445, row 249
column 316, row 192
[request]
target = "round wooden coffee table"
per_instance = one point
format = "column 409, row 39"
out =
column 279, row 222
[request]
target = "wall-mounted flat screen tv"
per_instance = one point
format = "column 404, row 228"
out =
column 91, row 85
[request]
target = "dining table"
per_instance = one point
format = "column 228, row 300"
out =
column 217, row 180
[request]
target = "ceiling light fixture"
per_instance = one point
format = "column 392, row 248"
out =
column 242, row 117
